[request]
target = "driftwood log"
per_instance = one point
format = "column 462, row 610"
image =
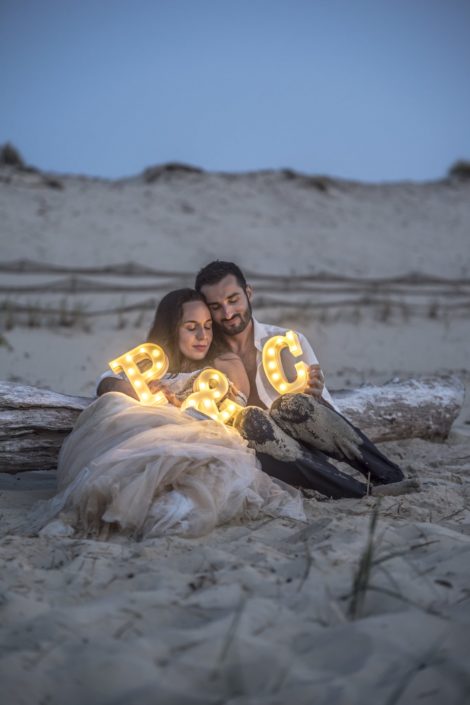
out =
column 34, row 422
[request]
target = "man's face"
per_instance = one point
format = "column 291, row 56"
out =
column 229, row 304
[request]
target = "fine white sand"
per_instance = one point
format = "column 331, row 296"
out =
column 267, row 612
column 273, row 611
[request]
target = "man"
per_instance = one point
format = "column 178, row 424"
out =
column 228, row 297
column 301, row 431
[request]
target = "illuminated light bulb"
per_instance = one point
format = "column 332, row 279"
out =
column 202, row 387
column 217, row 394
column 293, row 347
column 228, row 409
column 207, row 403
column 282, row 387
column 128, row 358
column 138, row 383
column 156, row 353
column 275, row 376
column 145, row 396
column 271, row 352
column 302, row 373
column 159, row 365
column 272, row 365
column 130, row 371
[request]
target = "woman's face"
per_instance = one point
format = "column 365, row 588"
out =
column 195, row 331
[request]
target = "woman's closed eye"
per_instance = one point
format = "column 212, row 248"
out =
column 192, row 328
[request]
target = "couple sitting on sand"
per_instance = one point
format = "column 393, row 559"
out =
column 154, row 470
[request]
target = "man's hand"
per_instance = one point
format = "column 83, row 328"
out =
column 316, row 382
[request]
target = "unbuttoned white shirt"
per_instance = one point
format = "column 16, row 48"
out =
column 262, row 333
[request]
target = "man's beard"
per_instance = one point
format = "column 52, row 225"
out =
column 244, row 319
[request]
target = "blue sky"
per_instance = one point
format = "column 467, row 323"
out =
column 365, row 89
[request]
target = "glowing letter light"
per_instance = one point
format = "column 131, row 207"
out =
column 209, row 388
column 128, row 363
column 274, row 369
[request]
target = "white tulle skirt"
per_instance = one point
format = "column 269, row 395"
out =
column 152, row 471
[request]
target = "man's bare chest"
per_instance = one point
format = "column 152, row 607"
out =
column 251, row 366
column 249, row 361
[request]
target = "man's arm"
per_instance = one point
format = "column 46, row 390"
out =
column 115, row 384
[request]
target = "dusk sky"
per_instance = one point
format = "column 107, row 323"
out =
column 364, row 89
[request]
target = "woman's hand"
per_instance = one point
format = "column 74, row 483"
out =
column 156, row 385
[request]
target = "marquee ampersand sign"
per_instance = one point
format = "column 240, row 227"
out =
column 129, row 364
column 209, row 388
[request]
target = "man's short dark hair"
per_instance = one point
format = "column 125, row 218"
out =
column 214, row 272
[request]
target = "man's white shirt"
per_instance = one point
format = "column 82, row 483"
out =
column 262, row 333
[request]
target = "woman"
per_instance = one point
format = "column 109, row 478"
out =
column 183, row 328
column 152, row 470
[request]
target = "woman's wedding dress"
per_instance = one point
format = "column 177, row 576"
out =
column 150, row 471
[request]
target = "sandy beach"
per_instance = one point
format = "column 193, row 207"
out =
column 366, row 601
column 255, row 613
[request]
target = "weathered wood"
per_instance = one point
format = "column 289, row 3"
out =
column 425, row 407
column 34, row 422
column 33, row 425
